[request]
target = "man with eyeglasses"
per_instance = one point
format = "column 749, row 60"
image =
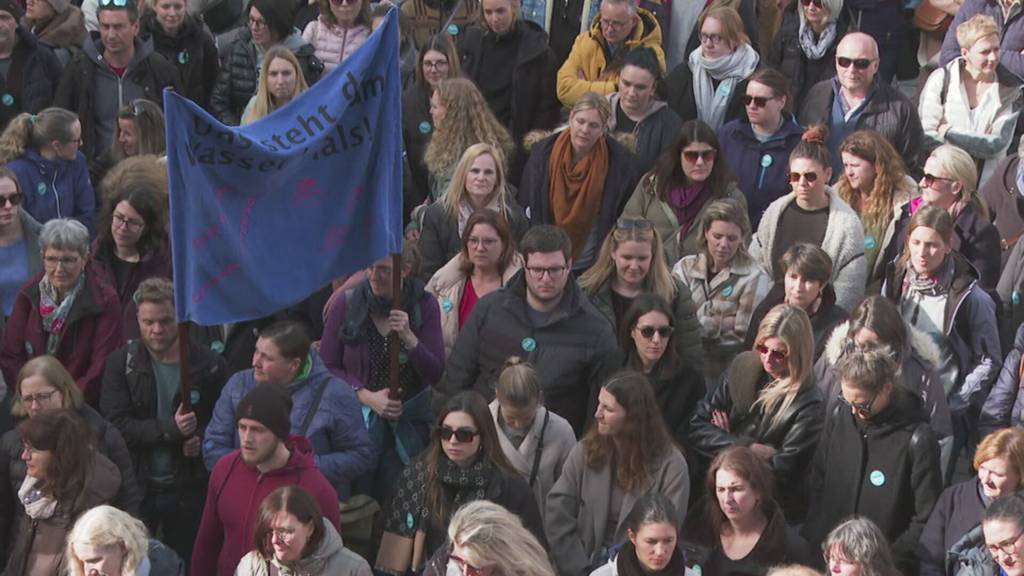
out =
column 544, row 317
column 119, row 67
column 597, row 56
column 856, row 100
column 29, row 69
column 877, row 458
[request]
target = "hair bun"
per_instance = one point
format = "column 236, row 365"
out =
column 815, row 134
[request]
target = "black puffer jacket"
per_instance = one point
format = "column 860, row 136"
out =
column 795, row 437
column 31, row 79
column 886, row 470
column 786, row 56
column 239, row 76
column 192, row 52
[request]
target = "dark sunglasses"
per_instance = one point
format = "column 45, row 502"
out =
column 14, row 199
column 648, row 332
column 773, row 355
column 343, row 2
column 757, row 101
column 117, row 3
column 858, row 63
column 862, row 408
column 811, row 177
column 633, row 224
column 705, row 155
column 929, row 179
column 817, row 3
column 463, row 435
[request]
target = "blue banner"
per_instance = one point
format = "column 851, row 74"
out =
column 266, row 214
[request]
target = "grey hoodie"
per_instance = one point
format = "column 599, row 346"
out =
column 330, row 557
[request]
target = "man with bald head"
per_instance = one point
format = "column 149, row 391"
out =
column 854, row 100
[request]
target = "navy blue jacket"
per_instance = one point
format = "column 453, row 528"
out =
column 55, row 188
column 762, row 168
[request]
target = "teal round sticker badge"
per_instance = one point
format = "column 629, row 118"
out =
column 217, row 346
column 727, row 291
column 766, row 160
column 194, row 396
column 41, row 188
column 403, row 358
column 447, row 305
column 724, row 90
column 7, row 99
column 453, row 29
column 1015, row 297
column 529, row 344
column 183, row 57
column 409, row 522
column 877, row 478
column 870, row 243
column 425, row 127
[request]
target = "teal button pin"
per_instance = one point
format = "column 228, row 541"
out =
column 453, row 29
column 727, row 291
column 425, row 127
column 724, row 90
column 1015, row 297
column 870, row 243
column 877, row 478
column 409, row 523
column 766, row 160
column 41, row 188
column 217, row 346
column 7, row 99
column 208, row 445
column 447, row 305
column 529, row 344
column 183, row 57
column 194, row 396
column 29, row 349
column 403, row 358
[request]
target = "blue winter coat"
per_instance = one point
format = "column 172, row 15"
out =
column 762, row 168
column 55, row 188
column 342, row 446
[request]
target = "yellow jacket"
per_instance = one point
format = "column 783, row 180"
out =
column 590, row 53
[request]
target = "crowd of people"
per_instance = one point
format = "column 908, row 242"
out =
column 721, row 288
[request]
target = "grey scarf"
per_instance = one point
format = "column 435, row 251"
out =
column 815, row 49
column 729, row 70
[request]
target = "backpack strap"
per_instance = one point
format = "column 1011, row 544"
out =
column 308, row 419
column 540, row 448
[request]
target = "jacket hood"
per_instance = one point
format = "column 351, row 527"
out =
column 64, row 29
column 538, row 137
column 94, row 50
column 905, row 409
column 918, row 343
column 743, row 130
column 102, row 483
column 302, row 457
column 613, row 100
column 319, row 561
column 44, row 166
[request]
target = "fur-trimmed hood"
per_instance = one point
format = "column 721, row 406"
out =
column 922, row 345
column 628, row 140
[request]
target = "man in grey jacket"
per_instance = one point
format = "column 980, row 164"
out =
column 544, row 317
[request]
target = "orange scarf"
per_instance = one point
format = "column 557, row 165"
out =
column 577, row 188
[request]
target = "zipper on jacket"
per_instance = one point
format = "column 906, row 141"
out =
column 56, row 196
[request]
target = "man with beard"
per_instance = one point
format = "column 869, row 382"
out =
column 29, row 70
column 268, row 459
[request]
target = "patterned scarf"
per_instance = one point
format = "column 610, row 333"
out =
column 55, row 315
column 38, row 505
column 917, row 287
column 815, row 49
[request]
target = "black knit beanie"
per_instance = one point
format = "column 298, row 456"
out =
column 270, row 405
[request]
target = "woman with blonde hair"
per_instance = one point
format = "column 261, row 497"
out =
column 342, row 27
column 114, row 543
column 725, row 283
column 461, row 118
column 485, row 538
column 631, row 262
column 579, row 179
column 478, row 182
column 768, row 398
column 876, row 185
column 139, row 131
column 281, row 81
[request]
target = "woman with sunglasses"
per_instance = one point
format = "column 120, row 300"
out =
column 970, row 102
column 627, row 454
column 342, row 27
column 19, row 241
column 675, row 194
column 632, row 262
column 757, row 147
column 857, row 546
column 738, row 528
column 804, row 50
column 478, row 183
column 878, row 458
column 815, row 214
column 710, row 84
column 579, row 179
column 725, row 283
column 437, row 61
column 647, row 340
column 876, row 185
column 938, row 292
column 486, row 262
column 999, row 462
column 281, row 81
column 768, row 400
column 183, row 40
column 463, row 463
column 270, row 24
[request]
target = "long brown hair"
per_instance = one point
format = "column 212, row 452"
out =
column 489, row 217
column 669, row 169
column 658, row 279
column 741, row 461
column 69, row 439
column 875, row 205
column 644, row 439
column 932, row 217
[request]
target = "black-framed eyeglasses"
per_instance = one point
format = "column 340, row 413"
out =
column 713, row 39
column 863, row 409
column 858, row 63
column 538, row 272
column 1008, row 546
column 633, row 224
column 929, row 180
column 129, row 223
column 13, row 199
column 463, row 435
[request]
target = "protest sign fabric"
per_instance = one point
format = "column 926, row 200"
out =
column 266, row 214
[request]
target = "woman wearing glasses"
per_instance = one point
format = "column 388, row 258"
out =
column 478, row 183
column 579, row 179
column 293, row 537
column 756, row 147
column 999, row 461
column 463, row 463
column 342, row 27
column 997, row 546
column 971, row 102
column 630, row 263
column 19, row 241
column 875, row 184
column 710, row 84
column 767, row 398
column 69, row 311
column 626, row 454
column 725, row 283
column 270, row 24
column 814, row 213
column 804, row 50
column 674, row 196
column 877, row 458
